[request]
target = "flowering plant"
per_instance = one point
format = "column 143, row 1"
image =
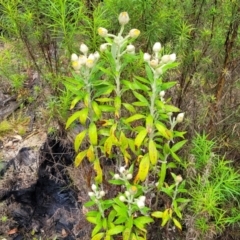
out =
column 130, row 121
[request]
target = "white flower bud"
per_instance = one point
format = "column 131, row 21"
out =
column 123, row 18
column 103, row 47
column 90, row 61
column 157, row 47
column 94, row 187
column 116, row 176
column 127, row 193
column 142, row 198
column 122, row 169
column 76, row 65
column 172, row 57
column 134, row 33
column 130, row 48
column 129, row 176
column 74, row 57
column 82, row 59
column 96, row 55
column 103, row 32
column 165, row 59
column 146, row 57
column 91, row 194
column 122, row 198
column 178, row 179
column 154, row 63
column 180, row 117
column 162, row 94
column 83, row 48
column 102, row 193
column 140, row 204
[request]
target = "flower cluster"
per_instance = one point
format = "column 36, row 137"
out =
column 97, row 194
column 84, row 60
column 124, row 174
column 119, row 40
column 156, row 61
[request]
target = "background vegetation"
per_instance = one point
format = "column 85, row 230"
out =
column 38, row 38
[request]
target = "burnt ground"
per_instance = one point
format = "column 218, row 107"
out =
column 38, row 196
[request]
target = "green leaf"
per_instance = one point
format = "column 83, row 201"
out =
column 157, row 214
column 92, row 213
column 175, row 156
column 120, row 219
column 140, row 222
column 115, row 230
column 134, row 118
column 79, row 158
column 153, row 153
column 140, row 104
column 143, row 169
column 74, row 117
column 168, row 85
column 75, row 101
column 140, row 97
column 140, row 137
column 170, row 108
column 106, row 108
column 178, row 146
column 104, row 99
column 164, row 131
column 78, row 140
column 96, row 109
column 127, row 234
column 177, row 223
column 129, row 107
column 93, row 134
column 97, row 228
column 149, row 73
column 92, row 220
column 83, row 116
column 111, row 216
column 144, row 80
column 98, row 236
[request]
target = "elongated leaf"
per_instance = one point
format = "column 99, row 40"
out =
column 91, row 154
column 157, row 214
column 96, row 109
column 108, row 146
column 168, row 85
column 79, row 158
column 164, row 131
column 153, row 153
column 106, row 108
column 140, row 104
column 104, row 99
column 175, row 156
column 177, row 223
column 115, row 230
column 92, row 220
column 140, row 97
column 98, row 171
column 143, row 169
column 140, row 137
column 127, row 233
column 83, row 116
column 178, row 146
column 71, row 119
column 134, row 118
column 97, row 228
column 75, row 101
column 129, row 107
column 78, row 140
column 93, row 134
column 98, row 236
